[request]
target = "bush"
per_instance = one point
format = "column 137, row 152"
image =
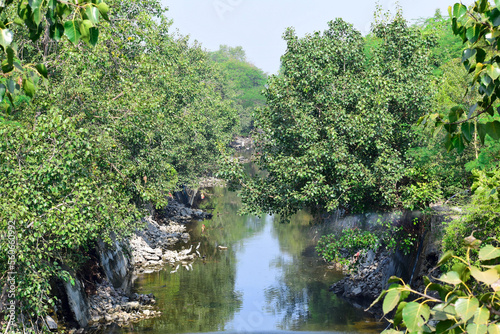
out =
column 342, row 247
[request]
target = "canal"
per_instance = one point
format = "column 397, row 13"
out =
column 254, row 275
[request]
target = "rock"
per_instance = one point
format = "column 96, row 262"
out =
column 51, row 323
column 356, row 292
column 369, row 257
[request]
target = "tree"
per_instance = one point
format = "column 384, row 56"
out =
column 118, row 127
column 336, row 128
column 245, row 79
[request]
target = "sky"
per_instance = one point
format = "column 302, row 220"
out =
column 257, row 25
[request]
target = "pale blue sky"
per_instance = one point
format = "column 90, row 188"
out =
column 257, row 25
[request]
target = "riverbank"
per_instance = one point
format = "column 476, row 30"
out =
column 102, row 292
column 363, row 285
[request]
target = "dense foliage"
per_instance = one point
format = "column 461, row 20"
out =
column 336, row 128
column 245, row 79
column 117, row 127
column 465, row 299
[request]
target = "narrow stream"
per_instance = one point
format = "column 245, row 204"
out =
column 267, row 280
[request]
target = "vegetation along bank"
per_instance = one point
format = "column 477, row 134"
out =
column 105, row 114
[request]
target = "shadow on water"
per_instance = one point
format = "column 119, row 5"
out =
column 269, row 280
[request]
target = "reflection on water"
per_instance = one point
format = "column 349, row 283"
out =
column 268, row 280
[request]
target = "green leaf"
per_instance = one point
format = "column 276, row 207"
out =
column 482, row 316
column 42, row 69
column 494, row 329
column 56, row 31
column 451, row 277
column 398, row 316
column 391, row 331
column 29, row 87
column 459, row 10
column 481, row 130
column 391, row 300
column 458, row 143
column 72, row 31
column 94, row 36
column 446, row 256
column 488, row 277
column 443, row 312
column 473, row 33
column 476, row 329
column 493, row 129
column 11, row 86
column 103, row 9
column 92, row 14
column 467, row 131
column 468, row 53
column 466, row 307
column 489, row 252
column 3, row 89
column 493, row 71
column 415, row 316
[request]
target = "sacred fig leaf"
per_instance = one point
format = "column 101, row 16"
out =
column 398, row 316
column 28, row 87
column 415, row 316
column 3, row 89
column 489, row 277
column 443, row 312
column 494, row 329
column 466, row 307
column 468, row 53
column 476, row 329
column 391, row 300
column 72, row 31
column 496, row 286
column 103, row 9
column 451, row 277
column 92, row 14
column 489, row 252
column 493, row 71
column 482, row 316
column 42, row 69
column 467, row 131
column 493, row 129
column 391, row 331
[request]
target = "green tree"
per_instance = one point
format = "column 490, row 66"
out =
column 118, row 127
column 245, row 79
column 336, row 128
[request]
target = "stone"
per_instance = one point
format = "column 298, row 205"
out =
column 51, row 323
column 357, row 291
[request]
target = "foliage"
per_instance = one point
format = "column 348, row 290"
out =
column 448, row 45
column 51, row 19
column 482, row 216
column 478, row 28
column 336, row 128
column 60, row 193
column 466, row 299
column 349, row 243
column 245, row 79
column 118, row 127
column 395, row 237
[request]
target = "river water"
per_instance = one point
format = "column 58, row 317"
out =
column 268, row 280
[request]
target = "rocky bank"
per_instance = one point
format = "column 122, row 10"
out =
column 101, row 293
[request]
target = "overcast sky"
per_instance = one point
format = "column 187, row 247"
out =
column 257, row 25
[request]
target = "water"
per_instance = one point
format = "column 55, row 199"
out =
column 268, row 280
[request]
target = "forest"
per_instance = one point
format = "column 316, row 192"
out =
column 105, row 112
